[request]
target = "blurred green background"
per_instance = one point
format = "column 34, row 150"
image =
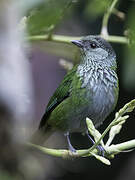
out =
column 80, row 18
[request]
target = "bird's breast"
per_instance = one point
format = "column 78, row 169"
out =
column 101, row 91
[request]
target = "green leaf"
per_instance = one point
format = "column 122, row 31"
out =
column 95, row 8
column 43, row 19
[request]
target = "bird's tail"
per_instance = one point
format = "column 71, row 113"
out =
column 41, row 135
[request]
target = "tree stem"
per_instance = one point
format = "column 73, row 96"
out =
column 68, row 39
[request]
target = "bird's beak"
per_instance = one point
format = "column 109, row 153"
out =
column 77, row 43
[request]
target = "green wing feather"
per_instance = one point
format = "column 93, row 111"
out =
column 61, row 93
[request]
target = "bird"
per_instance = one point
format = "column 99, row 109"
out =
column 90, row 89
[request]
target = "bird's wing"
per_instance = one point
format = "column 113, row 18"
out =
column 61, row 93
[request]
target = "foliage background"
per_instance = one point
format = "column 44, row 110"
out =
column 76, row 18
column 82, row 19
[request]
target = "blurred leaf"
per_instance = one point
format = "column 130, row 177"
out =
column 43, row 19
column 129, row 63
column 96, row 8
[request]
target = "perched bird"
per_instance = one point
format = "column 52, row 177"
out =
column 90, row 89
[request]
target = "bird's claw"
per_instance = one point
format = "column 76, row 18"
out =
column 101, row 150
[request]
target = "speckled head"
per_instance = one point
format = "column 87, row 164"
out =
column 97, row 50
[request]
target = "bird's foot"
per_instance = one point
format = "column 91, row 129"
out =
column 72, row 150
column 72, row 153
column 101, row 150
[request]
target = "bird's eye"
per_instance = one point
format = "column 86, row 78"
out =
column 93, row 45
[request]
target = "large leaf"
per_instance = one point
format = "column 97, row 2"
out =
column 43, row 19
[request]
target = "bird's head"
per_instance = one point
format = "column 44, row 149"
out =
column 97, row 50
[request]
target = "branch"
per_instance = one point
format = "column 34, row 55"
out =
column 104, row 30
column 114, row 127
column 54, row 38
column 68, row 39
column 62, row 153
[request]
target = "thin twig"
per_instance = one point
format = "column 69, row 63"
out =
column 104, row 28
